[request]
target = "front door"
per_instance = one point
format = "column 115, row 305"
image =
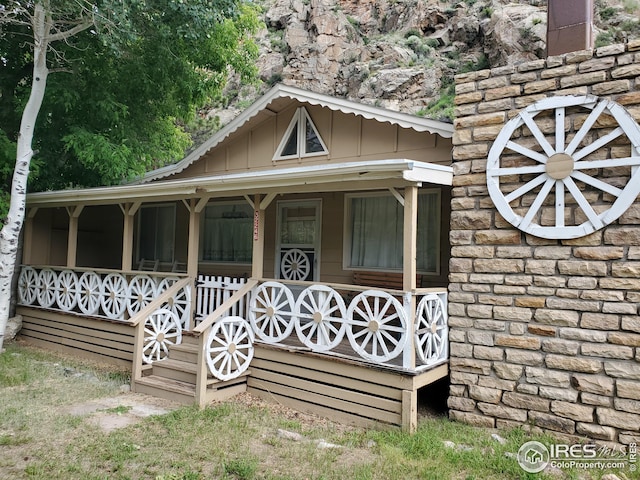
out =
column 298, row 242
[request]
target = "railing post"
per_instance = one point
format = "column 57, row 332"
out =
column 138, row 345
column 409, row 352
column 202, row 371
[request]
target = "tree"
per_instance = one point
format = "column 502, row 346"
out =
column 106, row 121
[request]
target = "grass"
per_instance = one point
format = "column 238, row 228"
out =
column 236, row 440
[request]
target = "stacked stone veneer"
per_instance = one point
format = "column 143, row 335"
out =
column 544, row 333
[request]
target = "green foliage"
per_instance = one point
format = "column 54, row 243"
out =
column 122, row 94
column 486, row 12
column 241, row 468
column 603, row 39
column 607, row 13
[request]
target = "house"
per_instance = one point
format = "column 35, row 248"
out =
column 300, row 253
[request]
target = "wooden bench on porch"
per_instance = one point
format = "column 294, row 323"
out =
column 387, row 280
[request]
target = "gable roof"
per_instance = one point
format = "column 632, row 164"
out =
column 280, row 91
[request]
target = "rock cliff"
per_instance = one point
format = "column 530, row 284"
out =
column 402, row 55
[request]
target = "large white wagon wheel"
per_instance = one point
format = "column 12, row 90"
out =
column 89, row 293
column 67, row 290
column 161, row 329
column 271, row 311
column 560, row 163
column 295, row 265
column 46, row 291
column 180, row 303
column 114, row 295
column 320, row 317
column 141, row 291
column 229, row 348
column 377, row 326
column 28, row 286
column 431, row 329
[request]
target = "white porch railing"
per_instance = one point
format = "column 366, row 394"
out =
column 104, row 293
column 385, row 327
column 212, row 291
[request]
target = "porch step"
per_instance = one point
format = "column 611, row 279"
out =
column 175, row 390
column 185, row 392
column 185, row 352
column 179, row 370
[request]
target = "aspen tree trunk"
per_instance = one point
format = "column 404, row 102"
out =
column 11, row 231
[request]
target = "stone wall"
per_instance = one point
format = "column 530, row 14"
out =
column 544, row 333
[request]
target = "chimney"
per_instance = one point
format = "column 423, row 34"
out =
column 569, row 26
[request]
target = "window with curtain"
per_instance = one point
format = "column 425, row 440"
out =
column 156, row 232
column 227, row 233
column 376, row 226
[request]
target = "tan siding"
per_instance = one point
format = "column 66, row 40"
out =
column 341, row 145
column 378, row 138
column 81, row 336
column 348, row 138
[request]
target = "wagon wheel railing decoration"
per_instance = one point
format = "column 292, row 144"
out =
column 67, row 290
column 114, row 295
column 140, row 292
column 431, row 333
column 46, row 286
column 271, row 312
column 295, row 265
column 377, row 326
column 557, row 164
column 161, row 330
column 180, row 303
column 89, row 293
column 229, row 348
column 319, row 318
column 28, row 286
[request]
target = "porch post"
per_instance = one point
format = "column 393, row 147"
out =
column 72, row 242
column 27, row 245
column 409, row 269
column 194, row 237
column 257, row 262
column 129, row 211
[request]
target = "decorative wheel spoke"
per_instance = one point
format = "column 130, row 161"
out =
column 67, row 290
column 271, row 311
column 377, row 326
column 295, row 265
column 28, row 286
column 320, row 318
column 114, row 297
column 229, row 348
column 46, row 287
column 551, row 204
column 180, row 304
column 161, row 330
column 431, row 334
column 141, row 291
column 89, row 293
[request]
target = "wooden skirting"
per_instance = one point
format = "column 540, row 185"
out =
column 86, row 337
column 342, row 391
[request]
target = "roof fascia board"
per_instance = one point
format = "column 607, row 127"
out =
column 407, row 170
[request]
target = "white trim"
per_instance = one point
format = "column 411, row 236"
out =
column 404, row 120
column 299, row 120
column 409, row 171
column 316, row 203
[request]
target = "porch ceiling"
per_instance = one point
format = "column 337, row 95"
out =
column 396, row 173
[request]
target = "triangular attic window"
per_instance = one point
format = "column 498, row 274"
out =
column 301, row 139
